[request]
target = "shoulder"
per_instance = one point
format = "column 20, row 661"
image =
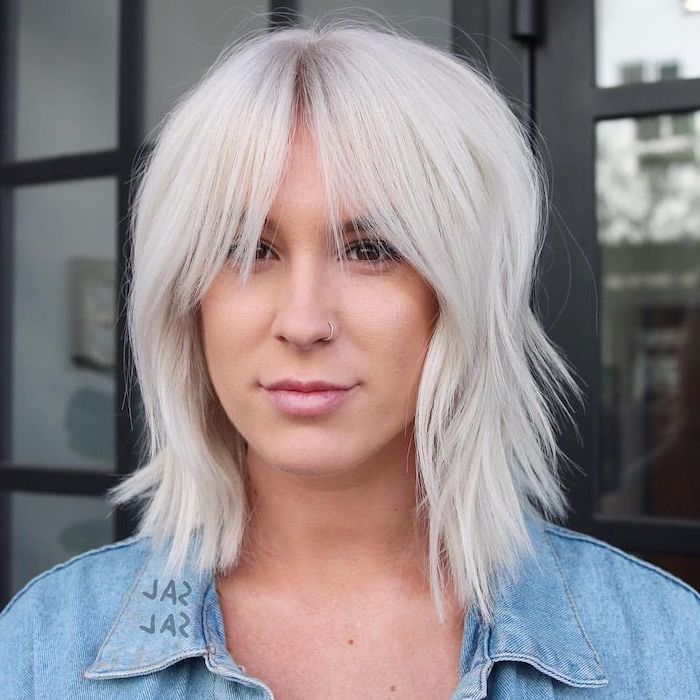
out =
column 644, row 621
column 66, row 610
column 95, row 572
column 589, row 563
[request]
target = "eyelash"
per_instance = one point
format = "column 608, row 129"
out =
column 383, row 248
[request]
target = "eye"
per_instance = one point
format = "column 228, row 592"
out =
column 375, row 250
column 372, row 252
column 262, row 246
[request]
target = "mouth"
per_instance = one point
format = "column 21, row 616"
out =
column 312, row 385
column 309, row 403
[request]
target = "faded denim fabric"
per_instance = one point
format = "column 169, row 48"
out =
column 584, row 620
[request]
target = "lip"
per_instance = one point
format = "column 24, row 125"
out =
column 308, row 403
column 297, row 385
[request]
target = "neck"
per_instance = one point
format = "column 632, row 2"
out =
column 344, row 533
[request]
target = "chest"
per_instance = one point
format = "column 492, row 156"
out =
column 335, row 656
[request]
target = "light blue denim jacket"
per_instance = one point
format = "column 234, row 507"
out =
column 584, row 620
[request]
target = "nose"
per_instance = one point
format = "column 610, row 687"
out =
column 305, row 303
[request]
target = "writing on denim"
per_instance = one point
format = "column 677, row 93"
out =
column 169, row 598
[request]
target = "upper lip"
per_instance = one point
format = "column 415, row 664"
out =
column 296, row 385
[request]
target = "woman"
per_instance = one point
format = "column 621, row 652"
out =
column 352, row 472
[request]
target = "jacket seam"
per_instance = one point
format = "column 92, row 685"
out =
column 64, row 564
column 573, row 605
column 561, row 531
column 35, row 647
column 158, row 666
column 549, row 670
column 487, row 663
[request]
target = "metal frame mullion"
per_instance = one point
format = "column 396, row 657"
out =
column 55, row 169
column 131, row 76
column 7, row 92
column 641, row 99
column 44, row 479
column 283, row 14
column 570, row 273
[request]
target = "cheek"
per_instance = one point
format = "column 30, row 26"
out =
column 225, row 333
column 231, row 317
column 217, row 330
column 397, row 340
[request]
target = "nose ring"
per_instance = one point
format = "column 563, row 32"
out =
column 331, row 335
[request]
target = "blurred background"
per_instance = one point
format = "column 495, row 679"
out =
column 613, row 87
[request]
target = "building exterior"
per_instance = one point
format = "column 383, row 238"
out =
column 613, row 87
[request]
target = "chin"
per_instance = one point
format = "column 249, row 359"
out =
column 306, row 456
column 295, row 470
column 311, row 463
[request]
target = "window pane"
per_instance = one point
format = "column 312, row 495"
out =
column 648, row 209
column 63, row 338
column 66, row 92
column 646, row 40
column 47, row 529
column 182, row 40
column 429, row 24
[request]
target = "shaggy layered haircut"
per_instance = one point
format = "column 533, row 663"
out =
column 430, row 151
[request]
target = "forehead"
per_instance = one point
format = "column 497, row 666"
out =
column 349, row 225
column 299, row 201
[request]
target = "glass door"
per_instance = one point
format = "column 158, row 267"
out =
column 617, row 95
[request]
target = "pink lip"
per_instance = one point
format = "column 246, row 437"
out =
column 299, row 385
column 308, row 403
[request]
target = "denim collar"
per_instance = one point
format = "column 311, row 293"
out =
column 536, row 621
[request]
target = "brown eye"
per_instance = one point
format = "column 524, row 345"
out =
column 371, row 252
column 374, row 252
column 262, row 247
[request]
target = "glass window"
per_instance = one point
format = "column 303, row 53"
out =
column 63, row 334
column 430, row 25
column 182, row 40
column 66, row 90
column 646, row 40
column 631, row 73
column 47, row 529
column 648, row 128
column 648, row 211
column 682, row 124
column 668, row 71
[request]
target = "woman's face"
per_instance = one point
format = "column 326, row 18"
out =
column 273, row 328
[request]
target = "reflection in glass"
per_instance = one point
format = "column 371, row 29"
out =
column 47, row 529
column 182, row 40
column 648, row 209
column 66, row 92
column 63, row 339
column 642, row 41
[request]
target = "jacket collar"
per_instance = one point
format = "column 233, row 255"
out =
column 161, row 621
column 536, row 621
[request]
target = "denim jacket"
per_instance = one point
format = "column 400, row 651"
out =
column 582, row 620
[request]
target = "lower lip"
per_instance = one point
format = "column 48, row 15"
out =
column 308, row 403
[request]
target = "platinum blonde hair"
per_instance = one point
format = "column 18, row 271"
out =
column 427, row 147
